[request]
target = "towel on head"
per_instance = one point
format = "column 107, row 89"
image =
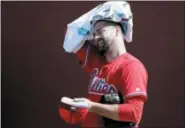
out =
column 80, row 29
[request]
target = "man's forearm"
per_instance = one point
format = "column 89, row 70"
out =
column 130, row 111
column 123, row 112
column 109, row 111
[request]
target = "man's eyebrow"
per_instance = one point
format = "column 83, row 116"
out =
column 99, row 29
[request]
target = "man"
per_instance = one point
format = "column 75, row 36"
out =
column 112, row 71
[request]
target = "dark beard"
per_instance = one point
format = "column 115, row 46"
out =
column 102, row 47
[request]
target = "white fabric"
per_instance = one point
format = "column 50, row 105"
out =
column 80, row 29
column 71, row 102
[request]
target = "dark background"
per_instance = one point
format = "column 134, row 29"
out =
column 36, row 72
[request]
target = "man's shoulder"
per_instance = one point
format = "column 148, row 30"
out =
column 129, row 60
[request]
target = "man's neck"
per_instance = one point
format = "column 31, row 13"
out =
column 115, row 51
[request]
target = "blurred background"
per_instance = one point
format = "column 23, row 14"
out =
column 36, row 72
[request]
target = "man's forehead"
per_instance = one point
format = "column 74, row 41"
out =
column 99, row 25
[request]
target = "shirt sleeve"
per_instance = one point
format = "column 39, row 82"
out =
column 82, row 54
column 131, row 110
column 134, row 79
column 88, row 57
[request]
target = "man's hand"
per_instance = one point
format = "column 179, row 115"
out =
column 85, row 101
column 71, row 114
column 77, row 102
column 109, row 111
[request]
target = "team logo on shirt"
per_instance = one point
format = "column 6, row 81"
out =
column 98, row 85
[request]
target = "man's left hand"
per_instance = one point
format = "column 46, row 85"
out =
column 77, row 102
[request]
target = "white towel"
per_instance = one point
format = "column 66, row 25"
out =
column 80, row 29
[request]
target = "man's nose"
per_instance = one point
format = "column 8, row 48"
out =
column 96, row 37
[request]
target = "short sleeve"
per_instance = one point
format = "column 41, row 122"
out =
column 134, row 79
column 88, row 58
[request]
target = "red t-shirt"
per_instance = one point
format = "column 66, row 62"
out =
column 125, row 74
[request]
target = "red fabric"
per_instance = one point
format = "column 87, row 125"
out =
column 134, row 85
column 88, row 58
column 72, row 117
column 131, row 110
column 125, row 74
column 133, row 79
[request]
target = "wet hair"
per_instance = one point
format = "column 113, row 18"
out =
column 111, row 23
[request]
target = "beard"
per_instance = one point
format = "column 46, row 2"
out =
column 102, row 47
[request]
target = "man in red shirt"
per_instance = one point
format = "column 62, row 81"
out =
column 112, row 69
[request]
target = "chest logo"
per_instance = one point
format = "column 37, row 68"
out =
column 98, row 86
